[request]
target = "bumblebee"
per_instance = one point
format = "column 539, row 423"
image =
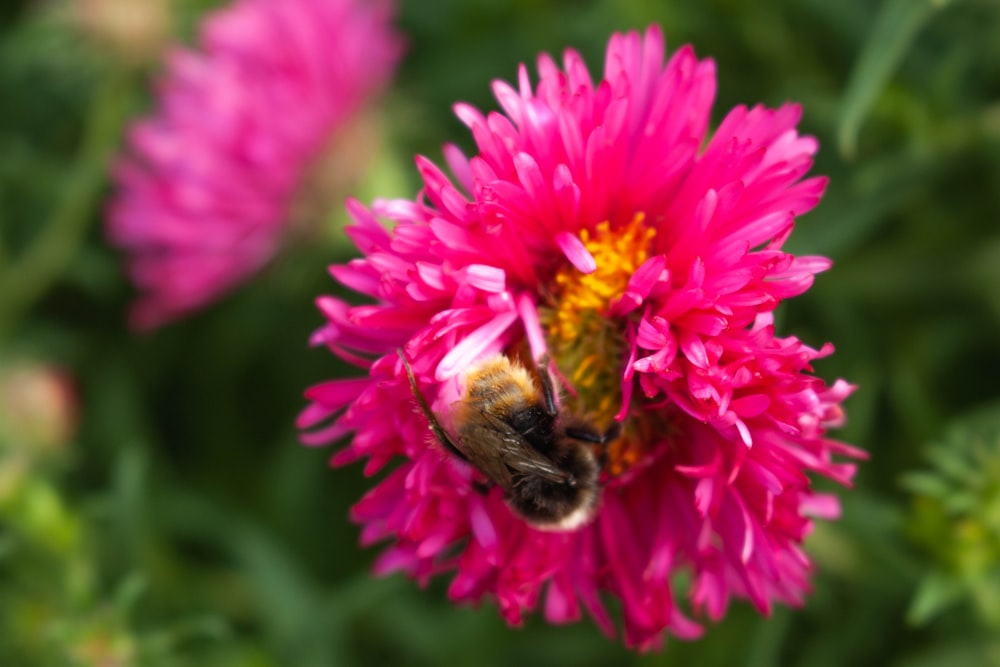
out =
column 515, row 434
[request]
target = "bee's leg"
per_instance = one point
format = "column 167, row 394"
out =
column 610, row 435
column 548, row 391
column 602, row 457
column 586, row 433
column 482, row 488
column 432, row 420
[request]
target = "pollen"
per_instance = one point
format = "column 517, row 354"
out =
column 618, row 254
column 586, row 342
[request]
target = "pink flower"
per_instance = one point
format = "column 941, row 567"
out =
column 600, row 225
column 207, row 190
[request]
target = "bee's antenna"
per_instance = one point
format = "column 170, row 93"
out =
column 432, row 420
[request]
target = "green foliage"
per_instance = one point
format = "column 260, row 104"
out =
column 892, row 35
column 183, row 524
column 956, row 517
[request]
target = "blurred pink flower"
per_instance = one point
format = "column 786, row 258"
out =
column 207, row 189
column 599, row 224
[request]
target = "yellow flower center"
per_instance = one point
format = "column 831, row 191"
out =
column 587, row 344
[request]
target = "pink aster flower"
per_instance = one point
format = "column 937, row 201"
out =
column 210, row 184
column 602, row 225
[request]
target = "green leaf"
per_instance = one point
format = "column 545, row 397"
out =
column 926, row 484
column 952, row 462
column 895, row 29
column 935, row 593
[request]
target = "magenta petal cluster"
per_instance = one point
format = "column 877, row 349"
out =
column 601, row 224
column 205, row 190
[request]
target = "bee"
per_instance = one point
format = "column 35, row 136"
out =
column 516, row 435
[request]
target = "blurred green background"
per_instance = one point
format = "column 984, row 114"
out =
column 160, row 511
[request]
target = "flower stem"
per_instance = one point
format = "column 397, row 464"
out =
column 25, row 279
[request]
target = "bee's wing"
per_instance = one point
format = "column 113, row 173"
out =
column 498, row 450
column 516, row 456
